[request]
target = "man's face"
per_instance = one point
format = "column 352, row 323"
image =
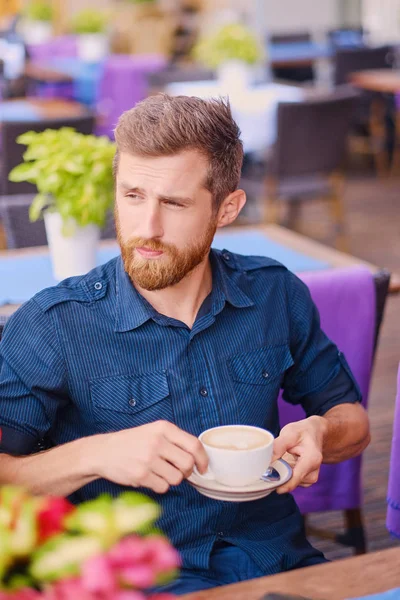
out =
column 164, row 218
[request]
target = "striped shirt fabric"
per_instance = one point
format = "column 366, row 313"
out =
column 92, row 356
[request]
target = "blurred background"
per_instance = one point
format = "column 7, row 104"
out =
column 315, row 89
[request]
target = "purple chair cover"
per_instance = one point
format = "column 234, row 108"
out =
column 393, row 511
column 346, row 302
column 124, row 83
column 63, row 47
column 58, row 47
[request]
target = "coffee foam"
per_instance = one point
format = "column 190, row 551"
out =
column 236, row 439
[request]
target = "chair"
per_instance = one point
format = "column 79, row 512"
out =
column 373, row 112
column 393, row 496
column 307, row 157
column 350, row 60
column 12, row 152
column 299, row 73
column 20, row 232
column 351, row 305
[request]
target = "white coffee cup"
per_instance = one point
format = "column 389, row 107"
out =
column 238, row 454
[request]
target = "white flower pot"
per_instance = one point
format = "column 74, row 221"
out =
column 36, row 32
column 234, row 75
column 74, row 254
column 92, row 47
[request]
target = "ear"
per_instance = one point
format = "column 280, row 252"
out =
column 230, row 208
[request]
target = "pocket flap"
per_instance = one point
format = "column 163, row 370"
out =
column 262, row 365
column 129, row 393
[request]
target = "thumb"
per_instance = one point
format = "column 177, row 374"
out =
column 287, row 439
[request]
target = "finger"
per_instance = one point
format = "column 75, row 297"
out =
column 310, row 479
column 181, row 459
column 190, row 443
column 155, row 483
column 304, row 467
column 288, row 439
column 166, row 471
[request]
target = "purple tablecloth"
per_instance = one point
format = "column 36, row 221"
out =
column 346, row 302
column 393, row 511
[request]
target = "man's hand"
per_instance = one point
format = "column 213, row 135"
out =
column 301, row 444
column 155, row 456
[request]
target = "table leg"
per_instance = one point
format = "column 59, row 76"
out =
column 378, row 136
column 395, row 170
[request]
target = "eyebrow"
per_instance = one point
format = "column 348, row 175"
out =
column 137, row 190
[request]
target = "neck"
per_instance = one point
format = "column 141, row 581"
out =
column 183, row 300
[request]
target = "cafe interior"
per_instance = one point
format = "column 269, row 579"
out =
column 314, row 87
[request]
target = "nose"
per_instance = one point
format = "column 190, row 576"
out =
column 151, row 226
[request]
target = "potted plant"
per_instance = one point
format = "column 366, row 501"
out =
column 37, row 22
column 90, row 26
column 73, row 175
column 232, row 50
column 105, row 548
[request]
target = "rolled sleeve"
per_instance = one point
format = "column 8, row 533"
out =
column 320, row 377
column 32, row 379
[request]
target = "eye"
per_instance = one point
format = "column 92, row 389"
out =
column 133, row 196
column 173, row 203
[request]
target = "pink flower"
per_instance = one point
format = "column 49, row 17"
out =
column 68, row 589
column 128, row 595
column 164, row 557
column 98, row 575
column 161, row 597
column 139, row 576
column 23, row 594
column 132, row 548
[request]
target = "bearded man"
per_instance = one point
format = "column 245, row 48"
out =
column 124, row 367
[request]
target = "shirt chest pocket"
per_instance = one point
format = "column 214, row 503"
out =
column 257, row 377
column 124, row 401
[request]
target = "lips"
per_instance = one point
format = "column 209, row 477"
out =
column 146, row 253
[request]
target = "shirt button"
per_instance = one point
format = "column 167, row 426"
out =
column 203, row 391
column 226, row 256
column 220, row 534
column 132, row 402
column 265, row 374
column 98, row 285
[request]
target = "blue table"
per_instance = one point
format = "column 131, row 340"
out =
column 26, row 271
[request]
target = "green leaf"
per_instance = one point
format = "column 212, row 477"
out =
column 23, row 172
column 62, row 556
column 40, row 202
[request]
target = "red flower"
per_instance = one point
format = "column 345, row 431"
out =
column 50, row 517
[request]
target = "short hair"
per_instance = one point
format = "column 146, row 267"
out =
column 164, row 125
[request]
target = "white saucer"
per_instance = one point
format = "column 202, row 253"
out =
column 255, row 491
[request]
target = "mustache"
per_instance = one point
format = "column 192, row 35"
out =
column 150, row 244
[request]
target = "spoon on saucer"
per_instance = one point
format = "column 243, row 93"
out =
column 271, row 475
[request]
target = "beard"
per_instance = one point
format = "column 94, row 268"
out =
column 171, row 267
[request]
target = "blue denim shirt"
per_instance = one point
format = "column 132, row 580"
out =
column 92, row 356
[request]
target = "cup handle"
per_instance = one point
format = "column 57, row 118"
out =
column 207, row 475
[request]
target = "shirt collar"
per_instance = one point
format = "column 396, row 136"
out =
column 132, row 310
